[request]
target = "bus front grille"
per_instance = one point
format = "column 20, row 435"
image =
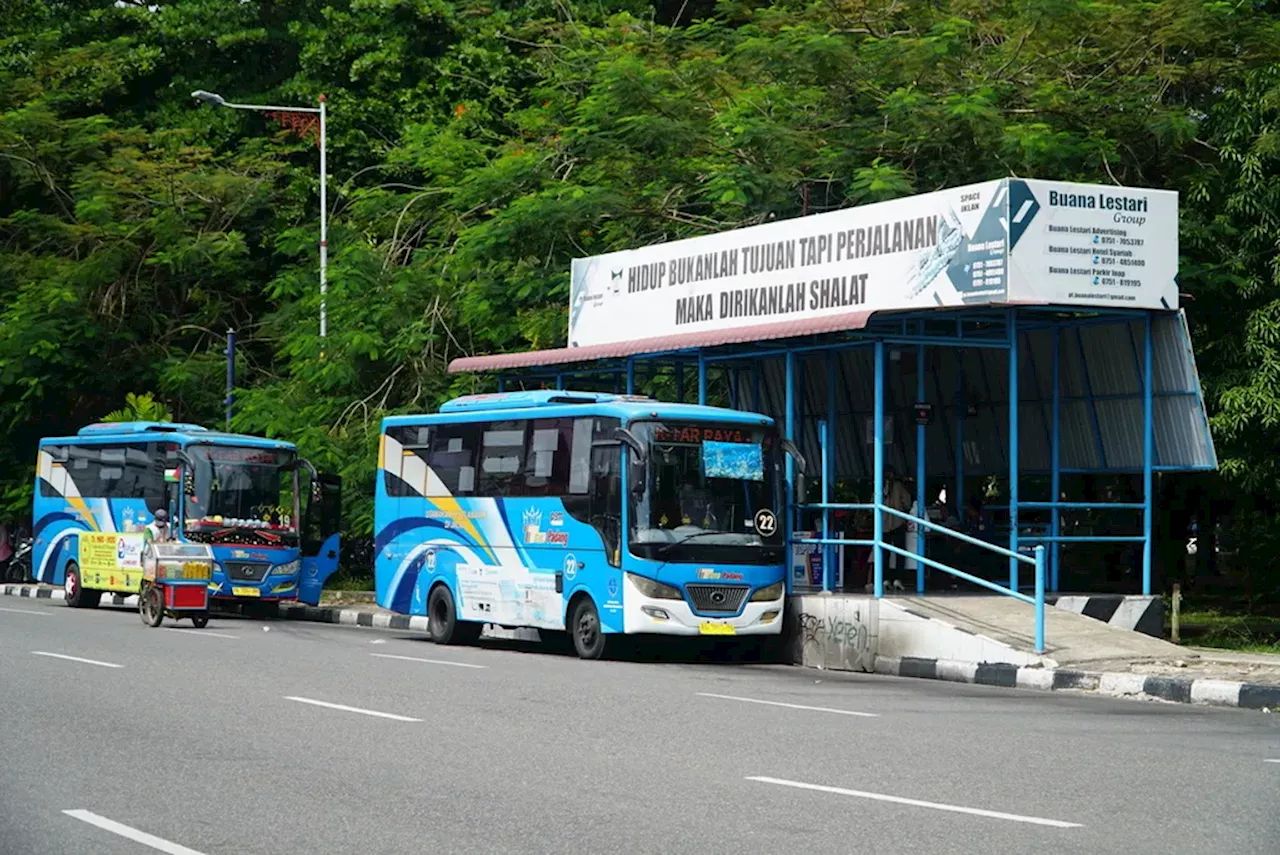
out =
column 245, row 571
column 712, row 599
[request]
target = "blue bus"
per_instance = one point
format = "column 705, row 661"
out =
column 582, row 514
column 271, row 519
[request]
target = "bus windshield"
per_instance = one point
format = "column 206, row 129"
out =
column 710, row 494
column 242, row 495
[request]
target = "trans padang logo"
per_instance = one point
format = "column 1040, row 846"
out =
column 534, row 535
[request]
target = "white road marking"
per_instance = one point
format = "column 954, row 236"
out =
column 75, row 659
column 881, row 797
column 344, row 708
column 158, row 843
column 428, row 661
column 789, row 706
column 1271, row 761
column 200, row 632
column 26, row 612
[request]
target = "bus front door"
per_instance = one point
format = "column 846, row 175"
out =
column 322, row 538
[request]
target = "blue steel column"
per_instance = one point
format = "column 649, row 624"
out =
column 1148, row 455
column 1055, row 465
column 830, row 557
column 631, row 376
column 878, row 480
column 1013, row 448
column 827, row 574
column 789, row 426
column 702, row 378
column 962, row 413
column 920, row 466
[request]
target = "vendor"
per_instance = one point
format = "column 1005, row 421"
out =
column 158, row 529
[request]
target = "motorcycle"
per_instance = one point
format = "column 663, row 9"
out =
column 19, row 569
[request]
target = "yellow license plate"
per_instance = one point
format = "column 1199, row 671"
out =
column 246, row 592
column 710, row 628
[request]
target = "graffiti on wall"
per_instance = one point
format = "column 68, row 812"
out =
column 844, row 637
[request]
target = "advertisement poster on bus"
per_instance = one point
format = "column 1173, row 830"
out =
column 999, row 242
column 110, row 560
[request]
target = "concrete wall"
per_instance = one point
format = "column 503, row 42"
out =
column 837, row 632
column 846, row 632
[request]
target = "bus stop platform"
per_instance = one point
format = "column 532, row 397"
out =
column 849, row 632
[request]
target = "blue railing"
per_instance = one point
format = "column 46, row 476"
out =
column 1037, row 562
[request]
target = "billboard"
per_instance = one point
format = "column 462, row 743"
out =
column 995, row 242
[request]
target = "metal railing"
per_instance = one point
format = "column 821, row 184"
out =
column 1038, row 562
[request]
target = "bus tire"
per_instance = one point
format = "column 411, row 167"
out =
column 76, row 595
column 589, row 640
column 443, row 625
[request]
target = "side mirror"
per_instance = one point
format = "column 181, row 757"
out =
column 794, row 452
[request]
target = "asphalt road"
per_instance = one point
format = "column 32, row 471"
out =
column 227, row 741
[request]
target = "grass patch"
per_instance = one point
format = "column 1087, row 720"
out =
column 1244, row 633
column 349, row 582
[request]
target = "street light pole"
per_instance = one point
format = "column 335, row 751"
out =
column 324, row 226
column 215, row 100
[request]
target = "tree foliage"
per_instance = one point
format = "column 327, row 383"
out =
column 476, row 147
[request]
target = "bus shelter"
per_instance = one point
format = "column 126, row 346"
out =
column 1003, row 348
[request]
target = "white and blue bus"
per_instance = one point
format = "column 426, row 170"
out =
column 273, row 521
column 591, row 514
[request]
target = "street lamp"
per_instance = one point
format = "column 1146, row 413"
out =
column 215, row 100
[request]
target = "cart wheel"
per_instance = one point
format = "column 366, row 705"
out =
column 151, row 605
column 200, row 621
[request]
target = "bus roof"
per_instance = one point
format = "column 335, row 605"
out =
column 555, row 403
column 164, row 432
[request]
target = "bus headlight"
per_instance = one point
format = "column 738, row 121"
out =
column 290, row 568
column 768, row 594
column 654, row 590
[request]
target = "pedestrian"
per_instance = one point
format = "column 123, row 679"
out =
column 6, row 551
column 897, row 497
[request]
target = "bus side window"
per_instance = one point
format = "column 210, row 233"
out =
column 502, row 455
column 595, row 481
column 59, row 454
column 453, row 456
column 547, row 466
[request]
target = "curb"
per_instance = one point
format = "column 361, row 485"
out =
column 344, row 616
column 1181, row 690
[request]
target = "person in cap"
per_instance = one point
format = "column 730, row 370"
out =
column 158, row 528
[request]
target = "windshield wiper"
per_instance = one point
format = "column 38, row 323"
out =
column 667, row 547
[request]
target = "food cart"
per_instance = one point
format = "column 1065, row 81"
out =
column 175, row 582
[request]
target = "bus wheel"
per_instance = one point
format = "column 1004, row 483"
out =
column 442, row 620
column 589, row 640
column 76, row 596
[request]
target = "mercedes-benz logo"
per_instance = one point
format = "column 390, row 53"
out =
column 717, row 597
column 766, row 522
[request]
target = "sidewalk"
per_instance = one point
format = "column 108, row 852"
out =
column 1203, row 676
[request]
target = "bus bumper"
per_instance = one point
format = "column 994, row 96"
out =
column 675, row 617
